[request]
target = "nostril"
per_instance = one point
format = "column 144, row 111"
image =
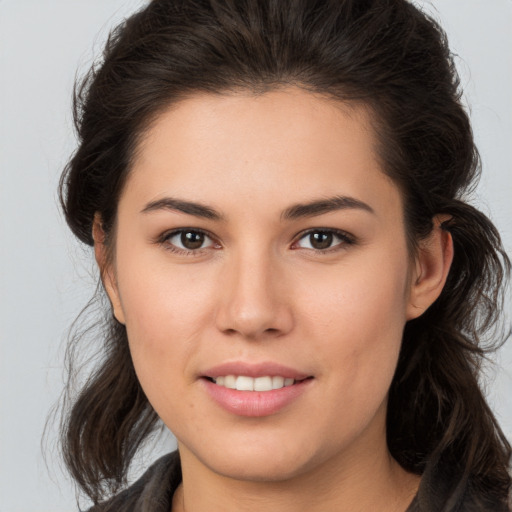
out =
column 253, row 317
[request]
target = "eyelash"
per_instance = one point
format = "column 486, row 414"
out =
column 165, row 238
column 346, row 240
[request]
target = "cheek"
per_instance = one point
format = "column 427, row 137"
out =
column 358, row 316
column 357, row 298
column 165, row 308
column 165, row 315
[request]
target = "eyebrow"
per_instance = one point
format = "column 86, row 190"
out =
column 327, row 205
column 188, row 207
column 297, row 211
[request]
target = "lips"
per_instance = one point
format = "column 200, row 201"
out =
column 254, row 370
column 254, row 389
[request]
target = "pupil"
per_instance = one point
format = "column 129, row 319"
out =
column 192, row 240
column 321, row 240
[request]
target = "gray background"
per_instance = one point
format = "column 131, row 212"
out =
column 45, row 278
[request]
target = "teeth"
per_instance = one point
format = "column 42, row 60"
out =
column 245, row 383
column 277, row 382
column 262, row 384
column 230, row 381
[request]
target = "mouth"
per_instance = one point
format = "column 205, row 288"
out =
column 255, row 390
column 248, row 383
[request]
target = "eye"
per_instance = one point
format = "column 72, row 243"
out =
column 187, row 240
column 324, row 239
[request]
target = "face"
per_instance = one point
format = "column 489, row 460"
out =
column 260, row 245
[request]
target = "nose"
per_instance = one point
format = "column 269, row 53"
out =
column 254, row 300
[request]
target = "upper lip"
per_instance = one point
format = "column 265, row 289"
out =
column 262, row 369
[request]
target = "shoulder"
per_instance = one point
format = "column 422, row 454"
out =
column 444, row 490
column 152, row 491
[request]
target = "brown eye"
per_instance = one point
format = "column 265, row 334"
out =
column 192, row 240
column 321, row 240
column 188, row 240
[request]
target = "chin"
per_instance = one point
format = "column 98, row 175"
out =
column 260, row 461
column 263, row 469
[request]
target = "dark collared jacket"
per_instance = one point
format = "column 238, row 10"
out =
column 153, row 492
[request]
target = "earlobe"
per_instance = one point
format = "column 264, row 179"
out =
column 106, row 268
column 433, row 261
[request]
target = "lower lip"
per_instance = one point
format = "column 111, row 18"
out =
column 255, row 403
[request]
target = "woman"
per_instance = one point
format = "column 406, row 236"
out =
column 274, row 192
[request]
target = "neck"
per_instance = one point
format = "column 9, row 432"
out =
column 364, row 481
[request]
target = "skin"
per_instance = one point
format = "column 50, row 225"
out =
column 257, row 290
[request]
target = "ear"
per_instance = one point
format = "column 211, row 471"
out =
column 106, row 267
column 432, row 264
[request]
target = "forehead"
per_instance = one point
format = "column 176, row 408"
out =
column 287, row 142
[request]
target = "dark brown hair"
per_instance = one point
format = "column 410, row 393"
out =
column 385, row 54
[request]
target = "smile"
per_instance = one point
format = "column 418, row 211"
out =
column 243, row 395
column 246, row 383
